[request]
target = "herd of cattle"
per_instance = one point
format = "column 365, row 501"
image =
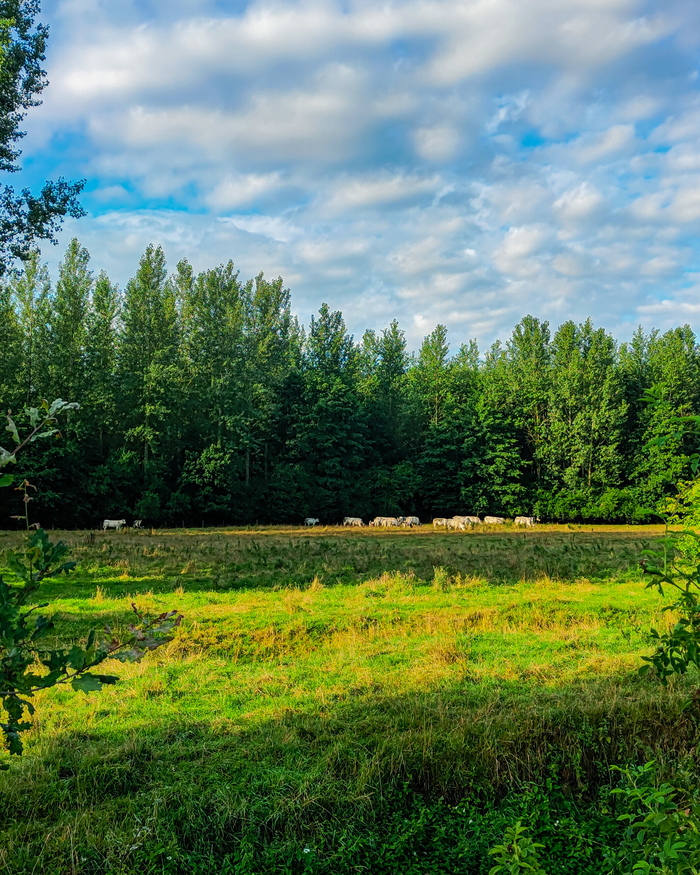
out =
column 456, row 522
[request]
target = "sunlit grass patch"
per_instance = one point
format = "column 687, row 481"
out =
column 321, row 679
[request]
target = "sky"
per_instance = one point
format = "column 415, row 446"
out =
column 458, row 162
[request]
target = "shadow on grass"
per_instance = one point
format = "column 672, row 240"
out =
column 417, row 783
column 221, row 563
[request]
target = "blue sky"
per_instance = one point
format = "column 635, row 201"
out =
column 457, row 162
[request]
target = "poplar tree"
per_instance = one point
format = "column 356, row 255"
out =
column 147, row 372
column 68, row 323
column 505, row 463
column 213, row 311
column 102, row 323
column 587, row 414
column 331, row 435
column 669, row 364
column 272, row 341
column 429, row 375
column 11, row 346
column 30, row 291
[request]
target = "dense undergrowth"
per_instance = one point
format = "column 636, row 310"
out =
column 344, row 703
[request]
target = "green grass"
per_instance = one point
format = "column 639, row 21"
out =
column 388, row 701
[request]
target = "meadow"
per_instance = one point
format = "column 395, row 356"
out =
column 346, row 701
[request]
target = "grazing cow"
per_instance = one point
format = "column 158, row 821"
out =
column 385, row 521
column 468, row 520
column 494, row 520
column 311, row 521
column 528, row 521
column 113, row 524
column 138, row 524
column 352, row 521
column 455, row 523
column 409, row 521
column 438, row 522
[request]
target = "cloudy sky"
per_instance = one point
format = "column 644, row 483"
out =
column 456, row 161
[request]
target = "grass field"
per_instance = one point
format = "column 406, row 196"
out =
column 345, row 701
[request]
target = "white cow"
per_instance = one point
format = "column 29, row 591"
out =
column 113, row 524
column 455, row 523
column 438, row 522
column 468, row 520
column 409, row 521
column 352, row 521
column 494, row 520
column 528, row 521
column 311, row 521
column 138, row 524
column 388, row 521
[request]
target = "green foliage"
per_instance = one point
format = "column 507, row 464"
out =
column 203, row 391
column 518, row 855
column 25, row 217
column 675, row 565
column 27, row 664
column 662, row 826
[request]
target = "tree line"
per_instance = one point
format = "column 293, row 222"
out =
column 203, row 400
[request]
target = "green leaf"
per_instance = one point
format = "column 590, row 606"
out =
column 12, row 428
column 6, row 480
column 88, row 683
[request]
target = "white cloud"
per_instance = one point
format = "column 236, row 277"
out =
column 425, row 159
column 237, row 191
column 380, row 190
column 686, row 204
column 597, row 147
column 579, row 203
column 436, row 143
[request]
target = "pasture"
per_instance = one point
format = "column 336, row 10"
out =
column 345, row 701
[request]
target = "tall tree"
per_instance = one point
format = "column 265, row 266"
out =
column 25, row 217
column 147, row 365
column 68, row 323
column 669, row 363
column 528, row 357
column 430, row 374
column 214, row 311
column 31, row 293
column 331, row 435
column 505, row 462
column 11, row 346
column 587, row 413
column 100, row 361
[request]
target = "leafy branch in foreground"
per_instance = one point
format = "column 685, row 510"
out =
column 518, row 855
column 675, row 565
column 26, row 666
column 661, row 835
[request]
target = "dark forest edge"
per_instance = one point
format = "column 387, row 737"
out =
column 203, row 400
